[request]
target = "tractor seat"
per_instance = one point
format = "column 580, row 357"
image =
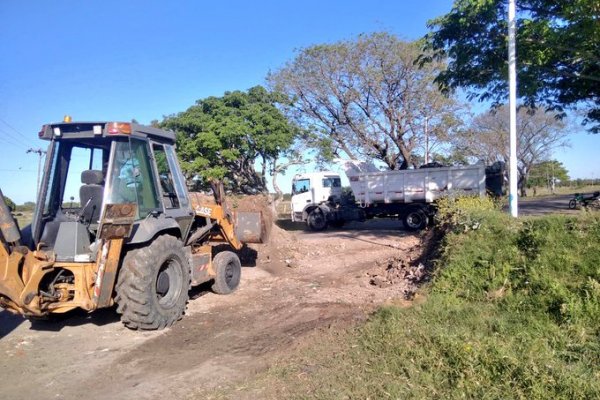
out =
column 90, row 195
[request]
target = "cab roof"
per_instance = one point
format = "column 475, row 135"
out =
column 321, row 174
column 105, row 129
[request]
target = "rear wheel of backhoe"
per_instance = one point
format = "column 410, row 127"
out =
column 228, row 268
column 153, row 285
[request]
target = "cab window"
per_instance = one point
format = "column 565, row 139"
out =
column 132, row 177
column 332, row 182
column 165, row 177
column 178, row 178
column 301, row 186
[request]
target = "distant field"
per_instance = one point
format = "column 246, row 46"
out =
column 284, row 209
column 543, row 191
column 23, row 218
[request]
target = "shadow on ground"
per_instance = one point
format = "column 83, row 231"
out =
column 56, row 322
column 9, row 322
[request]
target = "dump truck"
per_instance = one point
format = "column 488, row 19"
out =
column 114, row 225
column 410, row 195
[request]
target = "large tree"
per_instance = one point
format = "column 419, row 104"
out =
column 10, row 204
column 366, row 98
column 547, row 173
column 224, row 137
column 558, row 52
column 487, row 139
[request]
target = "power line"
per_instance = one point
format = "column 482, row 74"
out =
column 14, row 139
column 14, row 129
column 14, row 144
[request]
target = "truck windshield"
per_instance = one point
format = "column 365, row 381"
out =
column 332, row 182
column 301, row 186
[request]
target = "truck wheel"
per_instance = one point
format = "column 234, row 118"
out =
column 153, row 284
column 415, row 220
column 228, row 268
column 316, row 220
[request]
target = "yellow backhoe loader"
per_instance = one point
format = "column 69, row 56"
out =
column 114, row 224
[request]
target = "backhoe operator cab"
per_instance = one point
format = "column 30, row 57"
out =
column 96, row 163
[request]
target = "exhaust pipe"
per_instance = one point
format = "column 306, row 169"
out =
column 8, row 225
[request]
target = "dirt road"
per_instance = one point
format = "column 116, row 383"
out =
column 307, row 282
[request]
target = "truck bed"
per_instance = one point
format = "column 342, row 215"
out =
column 416, row 185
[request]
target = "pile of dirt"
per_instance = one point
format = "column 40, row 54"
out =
column 280, row 250
column 254, row 203
column 406, row 276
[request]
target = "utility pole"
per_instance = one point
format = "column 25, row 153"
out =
column 40, row 154
column 426, row 140
column 512, row 95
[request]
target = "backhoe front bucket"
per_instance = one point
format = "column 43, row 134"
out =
column 250, row 227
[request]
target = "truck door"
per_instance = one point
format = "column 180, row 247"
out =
column 301, row 197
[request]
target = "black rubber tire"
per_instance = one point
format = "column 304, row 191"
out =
column 316, row 220
column 415, row 220
column 573, row 204
column 228, row 268
column 159, row 267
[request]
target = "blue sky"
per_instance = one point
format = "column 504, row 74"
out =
column 118, row 60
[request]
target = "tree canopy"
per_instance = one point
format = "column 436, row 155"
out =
column 545, row 172
column 486, row 139
column 367, row 98
column 11, row 204
column 223, row 137
column 558, row 55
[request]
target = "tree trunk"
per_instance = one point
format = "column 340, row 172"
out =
column 522, row 186
column 406, row 156
column 278, row 192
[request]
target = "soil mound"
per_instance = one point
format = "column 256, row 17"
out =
column 280, row 250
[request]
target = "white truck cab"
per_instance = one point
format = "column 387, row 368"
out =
column 311, row 189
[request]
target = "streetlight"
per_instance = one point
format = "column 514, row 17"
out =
column 512, row 105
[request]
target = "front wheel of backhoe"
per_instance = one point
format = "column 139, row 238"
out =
column 153, row 284
column 228, row 271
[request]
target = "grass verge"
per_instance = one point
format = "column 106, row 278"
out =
column 513, row 311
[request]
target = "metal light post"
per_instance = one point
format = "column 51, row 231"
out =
column 512, row 104
column 426, row 140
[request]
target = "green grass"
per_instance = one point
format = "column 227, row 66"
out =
column 512, row 312
column 23, row 218
column 544, row 191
